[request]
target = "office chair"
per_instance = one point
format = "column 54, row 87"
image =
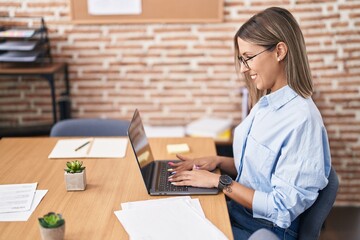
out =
column 313, row 218
column 263, row 234
column 92, row 127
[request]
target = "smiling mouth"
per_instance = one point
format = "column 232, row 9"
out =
column 253, row 77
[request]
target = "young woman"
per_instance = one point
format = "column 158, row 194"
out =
column 281, row 150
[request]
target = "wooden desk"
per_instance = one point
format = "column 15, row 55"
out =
column 90, row 214
column 46, row 71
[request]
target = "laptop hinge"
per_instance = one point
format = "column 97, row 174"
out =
column 155, row 169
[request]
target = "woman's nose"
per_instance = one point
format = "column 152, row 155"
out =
column 243, row 68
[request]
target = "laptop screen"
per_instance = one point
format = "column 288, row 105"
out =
column 141, row 147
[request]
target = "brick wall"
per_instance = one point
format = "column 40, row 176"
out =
column 175, row 73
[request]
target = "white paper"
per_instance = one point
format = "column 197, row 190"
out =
column 18, row 45
column 16, row 197
column 23, row 216
column 114, row 7
column 194, row 203
column 108, row 147
column 19, row 56
column 98, row 148
column 65, row 148
column 171, row 215
column 171, row 131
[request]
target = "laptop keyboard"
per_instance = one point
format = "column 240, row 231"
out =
column 164, row 184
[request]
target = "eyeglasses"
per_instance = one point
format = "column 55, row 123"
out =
column 245, row 61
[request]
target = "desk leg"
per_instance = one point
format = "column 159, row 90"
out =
column 66, row 77
column 50, row 79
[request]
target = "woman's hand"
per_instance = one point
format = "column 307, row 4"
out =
column 187, row 163
column 195, row 178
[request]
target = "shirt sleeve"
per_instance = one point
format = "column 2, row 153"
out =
column 301, row 171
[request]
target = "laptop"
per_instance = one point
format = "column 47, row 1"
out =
column 155, row 172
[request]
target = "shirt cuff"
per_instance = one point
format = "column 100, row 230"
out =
column 260, row 205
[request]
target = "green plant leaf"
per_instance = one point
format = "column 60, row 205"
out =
column 51, row 220
column 74, row 167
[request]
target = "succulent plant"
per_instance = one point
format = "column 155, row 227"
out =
column 74, row 167
column 51, row 220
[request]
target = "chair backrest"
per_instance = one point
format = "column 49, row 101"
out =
column 89, row 128
column 313, row 218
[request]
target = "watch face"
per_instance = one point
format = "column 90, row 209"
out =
column 225, row 179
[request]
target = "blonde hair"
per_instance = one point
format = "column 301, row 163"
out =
column 268, row 28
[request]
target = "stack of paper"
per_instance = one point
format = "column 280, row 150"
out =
column 170, row 218
column 164, row 131
column 19, row 56
column 17, row 33
column 18, row 45
column 18, row 201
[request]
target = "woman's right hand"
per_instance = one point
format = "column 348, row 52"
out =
column 188, row 163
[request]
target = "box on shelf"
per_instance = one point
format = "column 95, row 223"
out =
column 217, row 128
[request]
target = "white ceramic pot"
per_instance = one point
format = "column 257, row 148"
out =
column 75, row 181
column 52, row 233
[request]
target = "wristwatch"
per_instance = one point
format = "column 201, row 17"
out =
column 225, row 181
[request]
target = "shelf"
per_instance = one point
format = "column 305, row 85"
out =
column 18, row 33
column 25, row 45
column 21, row 131
column 17, row 56
column 18, row 45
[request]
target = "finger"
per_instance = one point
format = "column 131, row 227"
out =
column 182, row 157
column 182, row 176
column 182, row 166
column 182, row 183
column 175, row 164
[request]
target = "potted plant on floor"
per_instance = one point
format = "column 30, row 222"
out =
column 52, row 226
column 75, row 176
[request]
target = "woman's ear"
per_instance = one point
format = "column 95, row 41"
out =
column 281, row 51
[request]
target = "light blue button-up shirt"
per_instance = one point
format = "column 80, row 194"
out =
column 281, row 150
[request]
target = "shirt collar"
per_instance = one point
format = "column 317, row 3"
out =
column 278, row 98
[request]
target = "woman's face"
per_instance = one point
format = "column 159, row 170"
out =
column 265, row 70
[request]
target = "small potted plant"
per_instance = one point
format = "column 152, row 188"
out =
column 75, row 176
column 52, row 226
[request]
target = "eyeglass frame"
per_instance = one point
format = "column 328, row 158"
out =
column 244, row 61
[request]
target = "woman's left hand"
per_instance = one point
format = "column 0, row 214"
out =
column 195, row 178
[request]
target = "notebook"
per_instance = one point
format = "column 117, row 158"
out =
column 154, row 172
column 90, row 148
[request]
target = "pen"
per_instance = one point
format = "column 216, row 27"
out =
column 80, row 147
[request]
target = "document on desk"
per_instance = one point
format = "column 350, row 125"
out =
column 90, row 148
column 193, row 203
column 16, row 197
column 182, row 213
column 23, row 216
